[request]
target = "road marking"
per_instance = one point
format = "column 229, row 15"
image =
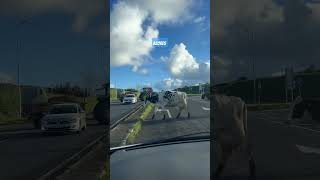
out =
column 3, row 140
column 296, row 126
column 308, row 150
column 206, row 109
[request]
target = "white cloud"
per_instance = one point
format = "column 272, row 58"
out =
column 112, row 86
column 199, row 19
column 143, row 71
column 166, row 11
column 183, row 65
column 130, row 43
column 169, row 84
column 81, row 10
column 5, row 78
column 134, row 24
column 227, row 11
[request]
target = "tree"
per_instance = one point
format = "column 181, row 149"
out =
column 310, row 69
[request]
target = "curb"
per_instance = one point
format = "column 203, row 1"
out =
column 136, row 128
column 58, row 170
column 112, row 126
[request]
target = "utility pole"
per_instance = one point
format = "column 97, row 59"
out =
column 251, row 45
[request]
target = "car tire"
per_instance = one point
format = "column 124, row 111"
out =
column 80, row 128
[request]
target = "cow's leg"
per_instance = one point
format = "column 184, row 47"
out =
column 225, row 153
column 169, row 114
column 164, row 115
column 179, row 113
column 154, row 112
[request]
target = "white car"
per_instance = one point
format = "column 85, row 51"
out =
column 130, row 98
column 64, row 117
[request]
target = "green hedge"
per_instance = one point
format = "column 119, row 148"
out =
column 273, row 88
column 9, row 99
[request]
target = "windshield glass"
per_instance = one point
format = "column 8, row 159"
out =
column 175, row 77
column 63, row 109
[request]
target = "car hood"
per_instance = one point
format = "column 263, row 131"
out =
column 185, row 161
column 129, row 98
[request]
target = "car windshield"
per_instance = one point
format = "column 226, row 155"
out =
column 63, row 109
column 171, row 96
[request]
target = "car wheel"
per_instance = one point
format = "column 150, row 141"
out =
column 80, row 127
column 84, row 126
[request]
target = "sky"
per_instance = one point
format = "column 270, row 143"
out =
column 135, row 63
column 60, row 41
column 268, row 35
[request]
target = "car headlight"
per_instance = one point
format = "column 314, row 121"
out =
column 75, row 119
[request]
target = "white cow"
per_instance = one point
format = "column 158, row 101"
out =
column 230, row 127
column 166, row 99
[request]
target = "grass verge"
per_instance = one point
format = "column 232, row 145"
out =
column 105, row 174
column 138, row 125
column 8, row 119
column 90, row 104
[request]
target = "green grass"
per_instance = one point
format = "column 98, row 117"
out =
column 105, row 173
column 148, row 109
column 11, row 119
column 90, row 104
column 134, row 131
column 138, row 125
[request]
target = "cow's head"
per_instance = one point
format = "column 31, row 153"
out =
column 153, row 97
column 168, row 95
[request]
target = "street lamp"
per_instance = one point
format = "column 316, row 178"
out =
column 19, row 47
column 250, row 45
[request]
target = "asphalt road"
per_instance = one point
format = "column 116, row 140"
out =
column 29, row 154
column 283, row 151
column 158, row 128
column 118, row 110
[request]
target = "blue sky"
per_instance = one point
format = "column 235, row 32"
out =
column 194, row 33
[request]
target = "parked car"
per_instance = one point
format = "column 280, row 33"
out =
column 64, row 117
column 130, row 98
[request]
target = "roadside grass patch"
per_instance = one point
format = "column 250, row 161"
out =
column 106, row 172
column 146, row 111
column 90, row 104
column 11, row 119
column 138, row 125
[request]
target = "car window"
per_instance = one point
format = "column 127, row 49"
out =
column 63, row 109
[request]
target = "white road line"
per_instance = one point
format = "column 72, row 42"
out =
column 291, row 125
column 3, row 140
column 308, row 150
